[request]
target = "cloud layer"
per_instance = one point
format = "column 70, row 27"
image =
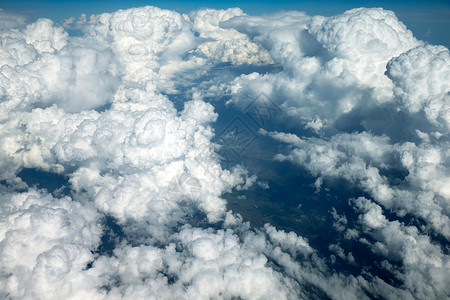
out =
column 142, row 212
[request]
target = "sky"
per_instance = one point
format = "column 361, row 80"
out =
column 430, row 20
column 206, row 153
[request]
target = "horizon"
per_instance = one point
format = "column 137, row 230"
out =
column 429, row 21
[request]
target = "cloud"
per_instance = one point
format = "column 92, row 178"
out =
column 223, row 44
column 143, row 40
column 45, row 37
column 45, row 242
column 330, row 66
column 421, row 82
column 424, row 265
column 363, row 159
column 120, row 161
column 40, row 67
column 11, row 20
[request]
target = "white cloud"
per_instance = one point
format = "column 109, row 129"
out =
column 143, row 40
column 45, row 37
column 421, row 77
column 330, row 65
column 10, row 20
column 45, row 242
column 424, row 266
column 288, row 241
column 40, row 67
column 225, row 44
column 361, row 159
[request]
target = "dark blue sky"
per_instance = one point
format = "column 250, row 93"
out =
column 429, row 20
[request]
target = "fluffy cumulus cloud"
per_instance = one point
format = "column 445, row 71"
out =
column 40, row 67
column 329, row 65
column 364, row 159
column 225, row 44
column 144, row 40
column 420, row 77
column 424, row 265
column 141, row 211
column 46, row 243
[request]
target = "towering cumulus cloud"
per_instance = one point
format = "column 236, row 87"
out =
column 111, row 179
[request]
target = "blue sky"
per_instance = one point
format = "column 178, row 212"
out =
column 429, row 20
